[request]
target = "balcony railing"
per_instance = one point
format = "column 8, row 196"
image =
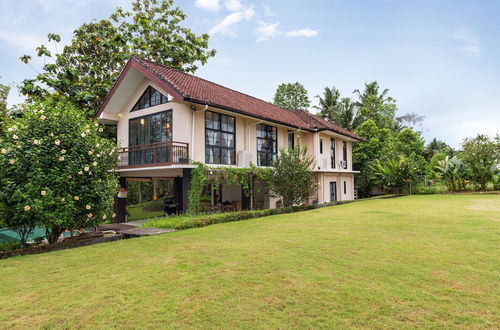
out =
column 156, row 154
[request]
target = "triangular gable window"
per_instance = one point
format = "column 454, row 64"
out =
column 150, row 98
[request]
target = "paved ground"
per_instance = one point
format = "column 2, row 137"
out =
column 132, row 229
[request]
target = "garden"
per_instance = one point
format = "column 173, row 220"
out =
column 416, row 261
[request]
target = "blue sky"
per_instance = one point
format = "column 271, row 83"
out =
column 439, row 59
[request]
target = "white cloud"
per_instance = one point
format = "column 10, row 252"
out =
column 302, row 33
column 268, row 11
column 470, row 43
column 233, row 5
column 228, row 24
column 266, row 31
column 210, row 5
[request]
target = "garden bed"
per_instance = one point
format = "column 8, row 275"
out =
column 68, row 243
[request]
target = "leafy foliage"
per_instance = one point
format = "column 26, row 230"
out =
column 291, row 96
column 328, row 103
column 482, row 155
column 56, row 171
column 4, row 93
column 394, row 174
column 437, row 146
column 86, row 69
column 454, row 172
column 292, row 178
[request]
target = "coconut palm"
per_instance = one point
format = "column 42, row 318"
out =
column 371, row 89
column 328, row 103
column 346, row 114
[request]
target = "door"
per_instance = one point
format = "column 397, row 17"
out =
column 333, row 191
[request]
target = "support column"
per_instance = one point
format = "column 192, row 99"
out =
column 186, row 181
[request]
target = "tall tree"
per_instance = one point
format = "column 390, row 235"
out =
column 347, row 115
column 411, row 120
column 4, row 93
column 291, row 96
column 328, row 103
column 437, row 146
column 376, row 105
column 86, row 69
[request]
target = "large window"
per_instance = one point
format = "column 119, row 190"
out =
column 291, row 140
column 150, row 98
column 332, row 153
column 219, row 139
column 147, row 130
column 321, row 146
column 344, row 153
column 267, row 144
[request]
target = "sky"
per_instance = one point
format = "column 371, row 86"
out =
column 439, row 59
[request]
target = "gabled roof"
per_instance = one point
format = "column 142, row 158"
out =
column 186, row 87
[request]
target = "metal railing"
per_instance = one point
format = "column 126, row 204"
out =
column 155, row 154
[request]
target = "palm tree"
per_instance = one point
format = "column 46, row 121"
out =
column 328, row 102
column 347, row 115
column 371, row 89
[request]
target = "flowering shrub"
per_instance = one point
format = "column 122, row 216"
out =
column 56, row 171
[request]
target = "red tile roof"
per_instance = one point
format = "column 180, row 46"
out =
column 198, row 90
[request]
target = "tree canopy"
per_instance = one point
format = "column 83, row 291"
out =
column 291, row 96
column 85, row 70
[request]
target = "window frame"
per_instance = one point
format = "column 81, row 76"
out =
column 320, row 146
column 344, row 153
column 345, row 187
column 220, row 146
column 171, row 128
column 291, row 139
column 268, row 155
column 333, row 149
column 150, row 91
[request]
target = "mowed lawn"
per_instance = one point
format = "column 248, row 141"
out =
column 418, row 261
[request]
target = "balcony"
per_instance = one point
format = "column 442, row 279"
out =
column 156, row 154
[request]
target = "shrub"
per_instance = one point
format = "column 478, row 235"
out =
column 56, row 171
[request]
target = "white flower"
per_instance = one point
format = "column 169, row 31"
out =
column 94, row 164
column 57, row 142
column 69, row 176
column 88, row 207
column 76, row 198
column 82, row 135
column 12, row 161
column 37, row 142
column 114, row 215
column 4, row 151
column 43, row 193
column 61, row 158
column 98, row 145
column 90, row 152
column 51, row 134
column 42, row 117
column 87, row 131
column 90, row 215
column 90, row 173
column 80, row 172
column 104, row 217
column 86, row 168
column 15, row 137
column 100, row 129
column 63, row 199
column 63, row 151
column 27, row 208
column 96, row 124
column 12, row 129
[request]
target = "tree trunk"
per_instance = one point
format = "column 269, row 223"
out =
column 53, row 234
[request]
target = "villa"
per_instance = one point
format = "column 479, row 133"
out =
column 167, row 119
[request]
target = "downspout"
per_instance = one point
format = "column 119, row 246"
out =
column 191, row 150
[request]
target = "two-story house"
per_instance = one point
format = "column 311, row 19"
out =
column 167, row 119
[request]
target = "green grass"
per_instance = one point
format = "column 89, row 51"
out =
column 421, row 261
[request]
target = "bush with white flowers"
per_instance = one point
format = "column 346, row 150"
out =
column 56, row 171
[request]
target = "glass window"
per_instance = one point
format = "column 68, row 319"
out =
column 267, row 144
column 219, row 139
column 332, row 153
column 321, row 146
column 150, row 98
column 291, row 140
column 344, row 153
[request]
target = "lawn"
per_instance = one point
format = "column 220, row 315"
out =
column 419, row 261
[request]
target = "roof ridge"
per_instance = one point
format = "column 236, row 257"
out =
column 213, row 83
